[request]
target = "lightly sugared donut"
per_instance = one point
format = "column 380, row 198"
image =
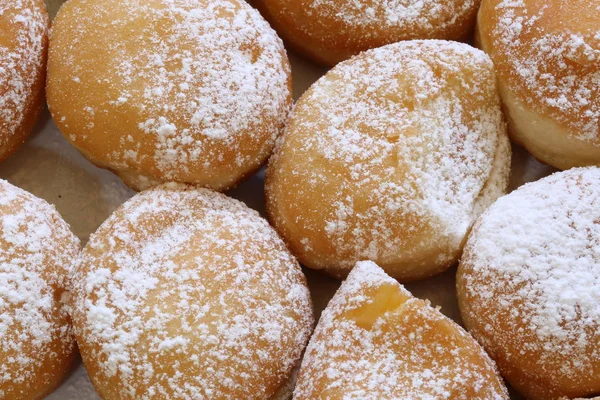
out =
column 23, row 52
column 390, row 157
column 376, row 341
column 37, row 249
column 185, row 293
column 333, row 31
column 528, row 285
column 192, row 91
column 547, row 58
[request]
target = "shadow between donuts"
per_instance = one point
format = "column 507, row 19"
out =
column 49, row 168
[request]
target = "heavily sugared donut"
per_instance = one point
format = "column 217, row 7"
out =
column 192, row 91
column 185, row 293
column 547, row 58
column 528, row 285
column 376, row 341
column 334, row 30
column 37, row 346
column 391, row 157
column 23, row 49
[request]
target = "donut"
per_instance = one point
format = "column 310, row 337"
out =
column 547, row 58
column 390, row 157
column 37, row 346
column 528, row 285
column 185, row 293
column 189, row 91
column 23, row 50
column 332, row 31
column 376, row 341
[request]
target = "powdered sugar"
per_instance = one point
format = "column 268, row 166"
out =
column 429, row 14
column 202, row 84
column 196, row 280
column 22, row 53
column 549, row 52
column 331, row 31
column 410, row 352
column 37, row 252
column 533, row 260
column 411, row 135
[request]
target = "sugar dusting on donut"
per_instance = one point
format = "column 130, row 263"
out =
column 432, row 15
column 196, row 278
column 551, row 51
column 209, row 76
column 534, row 255
column 351, row 362
column 37, row 253
column 21, row 60
column 396, row 120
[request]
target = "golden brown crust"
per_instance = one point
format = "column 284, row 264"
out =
column 37, row 346
column 527, row 285
column 333, row 31
column 547, row 58
column 193, row 96
column 23, row 53
column 544, row 138
column 196, row 288
column 359, row 172
column 376, row 341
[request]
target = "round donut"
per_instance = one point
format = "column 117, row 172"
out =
column 547, row 58
column 333, row 31
column 191, row 91
column 185, row 293
column 37, row 346
column 528, row 285
column 390, row 157
column 23, row 52
column 376, row 341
